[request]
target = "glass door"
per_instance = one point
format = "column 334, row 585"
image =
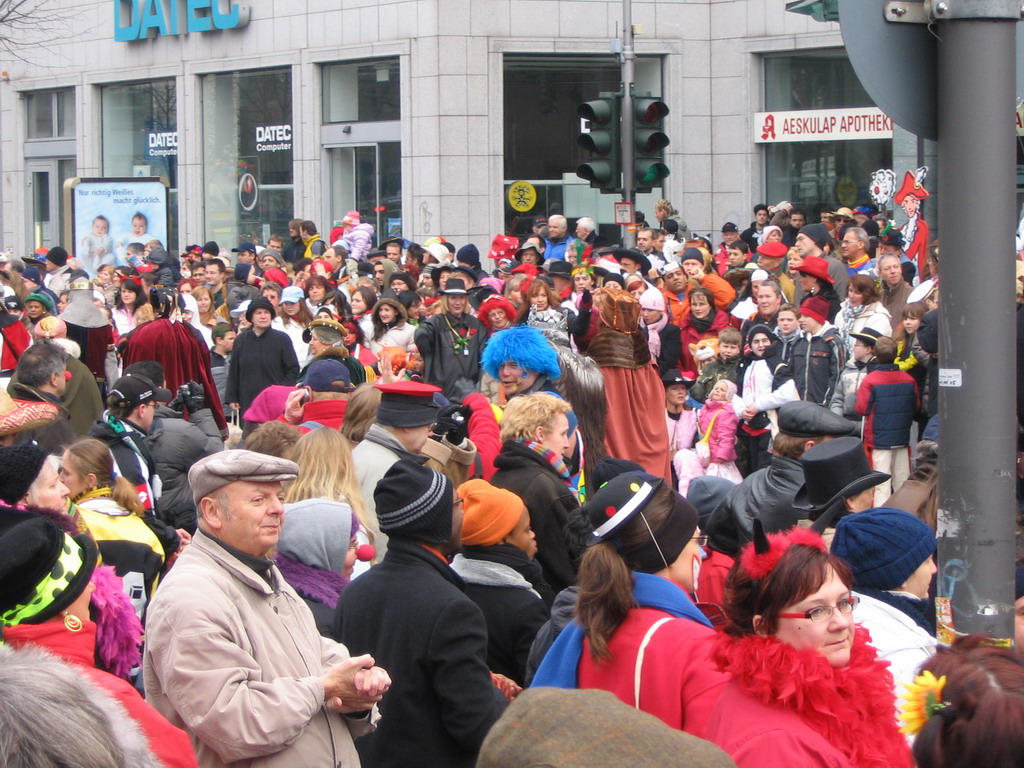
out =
column 46, row 200
column 367, row 178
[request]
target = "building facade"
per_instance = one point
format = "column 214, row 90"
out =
column 418, row 113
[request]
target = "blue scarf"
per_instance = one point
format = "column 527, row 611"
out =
column 560, row 666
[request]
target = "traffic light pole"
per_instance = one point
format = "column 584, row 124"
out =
column 977, row 328
column 628, row 63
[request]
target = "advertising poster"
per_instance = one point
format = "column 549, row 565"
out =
column 108, row 214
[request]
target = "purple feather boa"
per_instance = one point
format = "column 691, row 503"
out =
column 323, row 586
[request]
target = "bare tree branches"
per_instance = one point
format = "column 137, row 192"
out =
column 25, row 22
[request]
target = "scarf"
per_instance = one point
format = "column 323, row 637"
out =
column 654, row 335
column 921, row 611
column 99, row 492
column 560, row 666
column 315, row 583
column 702, row 324
column 556, row 462
column 852, row 708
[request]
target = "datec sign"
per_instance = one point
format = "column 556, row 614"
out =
column 141, row 19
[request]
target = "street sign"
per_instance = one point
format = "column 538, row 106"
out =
column 623, row 213
column 894, row 62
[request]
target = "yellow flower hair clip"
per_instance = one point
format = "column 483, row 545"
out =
column 921, row 700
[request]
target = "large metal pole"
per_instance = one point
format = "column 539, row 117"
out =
column 976, row 323
column 626, row 124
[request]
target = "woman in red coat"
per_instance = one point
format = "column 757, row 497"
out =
column 806, row 688
column 638, row 634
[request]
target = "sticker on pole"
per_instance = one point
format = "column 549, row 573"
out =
column 522, row 196
column 951, row 377
column 623, row 213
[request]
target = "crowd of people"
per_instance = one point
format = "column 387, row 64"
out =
column 354, row 500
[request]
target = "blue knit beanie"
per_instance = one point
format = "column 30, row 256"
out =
column 526, row 347
column 883, row 546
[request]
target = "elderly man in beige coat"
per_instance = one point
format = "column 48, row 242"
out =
column 233, row 655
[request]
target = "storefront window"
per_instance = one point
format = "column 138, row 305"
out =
column 819, row 175
column 51, row 114
column 247, row 155
column 140, row 137
column 362, row 91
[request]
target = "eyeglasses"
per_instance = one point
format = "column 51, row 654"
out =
column 824, row 612
column 702, row 540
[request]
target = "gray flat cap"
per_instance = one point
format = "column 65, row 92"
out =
column 213, row 472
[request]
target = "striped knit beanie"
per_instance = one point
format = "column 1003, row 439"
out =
column 414, row 502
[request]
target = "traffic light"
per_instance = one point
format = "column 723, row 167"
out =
column 649, row 141
column 603, row 142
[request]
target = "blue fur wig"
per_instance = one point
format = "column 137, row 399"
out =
column 526, row 347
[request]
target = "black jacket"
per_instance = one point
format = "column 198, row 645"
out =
column 766, row 494
column 513, row 607
column 410, row 612
column 456, row 373
column 815, row 363
column 177, row 444
column 671, row 346
column 258, row 362
column 928, row 338
column 550, row 503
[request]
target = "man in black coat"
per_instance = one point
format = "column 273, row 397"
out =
column 412, row 612
column 262, row 357
column 768, row 493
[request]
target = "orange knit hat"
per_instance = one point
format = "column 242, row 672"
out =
column 489, row 513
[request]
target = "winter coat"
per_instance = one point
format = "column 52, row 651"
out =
column 549, row 501
column 873, row 316
column 167, row 744
column 896, row 636
column 15, row 340
column 785, row 707
column 928, row 338
column 688, row 335
column 239, row 292
column 176, row 444
column 402, row 336
column 844, row 399
column 681, row 431
column 677, row 681
column 671, row 346
column 816, row 362
column 135, row 463
column 373, row 457
column 411, row 613
column 128, row 544
column 357, row 241
column 766, row 494
column 722, row 440
column 888, row 399
column 563, row 611
column 258, row 362
column 714, row 372
column 895, row 300
column 457, row 373
column 237, row 662
column 502, row 580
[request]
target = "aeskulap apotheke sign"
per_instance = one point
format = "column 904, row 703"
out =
column 141, row 19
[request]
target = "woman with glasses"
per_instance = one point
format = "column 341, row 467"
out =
column 805, row 687
column 638, row 633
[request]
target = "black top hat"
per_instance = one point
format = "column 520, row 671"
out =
column 628, row 253
column 833, row 470
column 455, row 287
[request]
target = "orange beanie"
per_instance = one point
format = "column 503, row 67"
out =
column 489, row 513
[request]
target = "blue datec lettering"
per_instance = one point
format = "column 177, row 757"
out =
column 198, row 16
column 153, row 19
column 126, row 31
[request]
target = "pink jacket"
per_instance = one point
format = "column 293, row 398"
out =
column 723, row 433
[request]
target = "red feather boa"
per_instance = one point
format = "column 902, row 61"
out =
column 853, row 708
column 759, row 565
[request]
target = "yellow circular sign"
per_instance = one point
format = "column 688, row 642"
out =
column 522, row 195
column 846, row 191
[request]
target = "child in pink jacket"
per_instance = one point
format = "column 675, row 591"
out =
column 720, row 417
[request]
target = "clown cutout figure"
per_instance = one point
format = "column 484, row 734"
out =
column 915, row 231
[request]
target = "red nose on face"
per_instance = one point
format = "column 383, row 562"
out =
column 365, row 553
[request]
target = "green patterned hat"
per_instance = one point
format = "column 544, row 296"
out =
column 42, row 569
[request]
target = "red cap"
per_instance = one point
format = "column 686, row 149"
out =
column 773, row 250
column 278, row 276
column 413, row 388
column 817, row 308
